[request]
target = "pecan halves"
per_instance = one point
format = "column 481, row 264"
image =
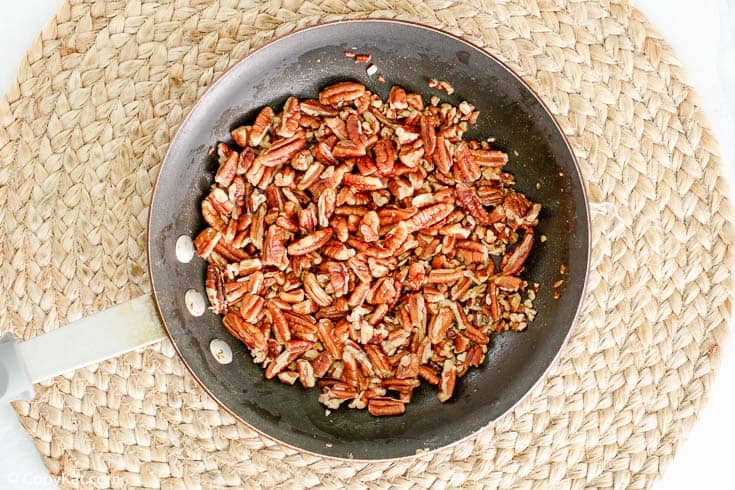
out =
column 445, row 276
column 492, row 299
column 325, row 329
column 337, row 250
column 339, row 278
column 228, row 170
column 240, row 136
column 428, row 134
column 385, row 156
column 306, row 373
column 351, row 245
column 215, row 288
column 369, row 226
column 279, row 323
column 429, row 375
column 323, row 151
column 397, row 98
column 378, row 359
column 415, row 276
column 466, row 168
column 441, row 157
column 355, row 133
column 513, row 261
column 274, row 247
column 248, row 333
column 408, row 368
column 490, row 158
column 490, row 195
column 261, row 126
column 251, row 307
column 447, row 380
column 211, row 215
column 382, row 406
column 429, row 216
column 347, row 149
column 509, row 283
column 340, row 93
column 363, row 183
column 396, row 236
column 468, row 199
column 311, row 242
column 439, row 325
column 283, row 150
column 325, row 206
column 205, row 242
column 315, row 108
column 290, row 119
column 410, row 155
column 314, row 290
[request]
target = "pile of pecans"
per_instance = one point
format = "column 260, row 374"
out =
column 364, row 246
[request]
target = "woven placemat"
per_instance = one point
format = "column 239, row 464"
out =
column 85, row 126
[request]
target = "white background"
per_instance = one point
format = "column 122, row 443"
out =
column 702, row 34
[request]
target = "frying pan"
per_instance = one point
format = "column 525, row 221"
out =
column 301, row 64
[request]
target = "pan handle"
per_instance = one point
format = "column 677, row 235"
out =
column 109, row 333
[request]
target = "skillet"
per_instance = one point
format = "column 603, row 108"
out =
column 407, row 54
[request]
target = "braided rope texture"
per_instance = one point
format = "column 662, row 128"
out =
column 85, row 126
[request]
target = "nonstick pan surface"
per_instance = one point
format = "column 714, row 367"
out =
column 407, row 54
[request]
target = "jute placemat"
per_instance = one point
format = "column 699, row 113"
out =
column 84, row 128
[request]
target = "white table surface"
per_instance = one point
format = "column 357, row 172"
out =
column 702, row 34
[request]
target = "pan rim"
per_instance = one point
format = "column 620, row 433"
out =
column 587, row 222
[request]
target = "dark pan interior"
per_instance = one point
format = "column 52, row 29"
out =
column 408, row 55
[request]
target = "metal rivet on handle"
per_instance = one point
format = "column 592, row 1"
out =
column 184, row 249
column 195, row 302
column 221, row 351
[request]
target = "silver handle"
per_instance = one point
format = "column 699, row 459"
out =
column 109, row 333
column 104, row 335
